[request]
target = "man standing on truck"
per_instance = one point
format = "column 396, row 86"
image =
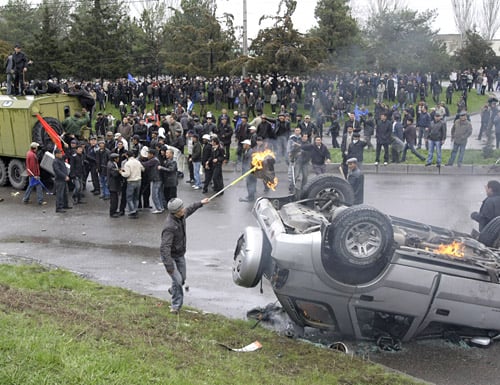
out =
column 20, row 67
column 33, row 169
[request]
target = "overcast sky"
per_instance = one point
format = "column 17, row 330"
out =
column 303, row 18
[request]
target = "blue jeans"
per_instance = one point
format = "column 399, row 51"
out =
column 39, row 192
column 460, row 148
column 178, row 278
column 197, row 177
column 156, row 187
column 434, row 144
column 103, row 181
column 133, row 194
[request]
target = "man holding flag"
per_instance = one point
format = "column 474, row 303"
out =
column 33, row 169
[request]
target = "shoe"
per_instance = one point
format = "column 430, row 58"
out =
column 26, row 202
column 244, row 200
column 83, row 202
column 93, row 191
column 438, row 165
column 196, row 187
column 96, row 192
column 60, row 211
column 376, row 163
column 106, row 198
column 205, row 191
column 67, row 207
column 428, row 164
column 147, row 207
column 156, row 212
column 122, row 213
column 173, row 310
column 190, row 181
column 115, row 215
column 385, row 163
column 42, row 203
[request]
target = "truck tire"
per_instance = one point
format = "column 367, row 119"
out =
column 360, row 244
column 490, row 234
column 17, row 177
column 338, row 190
column 3, row 173
column 40, row 136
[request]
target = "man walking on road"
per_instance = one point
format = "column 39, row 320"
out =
column 33, row 169
column 173, row 247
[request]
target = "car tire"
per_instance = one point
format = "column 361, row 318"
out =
column 490, row 234
column 328, row 186
column 40, row 136
column 251, row 257
column 360, row 242
column 3, row 173
column 17, row 171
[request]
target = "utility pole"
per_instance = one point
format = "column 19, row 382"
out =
column 245, row 36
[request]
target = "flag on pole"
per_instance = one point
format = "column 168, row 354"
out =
column 54, row 136
column 131, row 79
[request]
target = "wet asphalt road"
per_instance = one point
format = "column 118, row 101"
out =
column 124, row 252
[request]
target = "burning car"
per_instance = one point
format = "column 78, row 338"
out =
column 362, row 274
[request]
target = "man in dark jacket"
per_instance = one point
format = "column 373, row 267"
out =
column 435, row 137
column 168, row 173
column 61, row 179
column 152, row 174
column 384, row 138
column 356, row 179
column 77, row 173
column 319, row 155
column 20, row 66
column 490, row 208
column 102, row 158
column 196, row 159
column 173, row 247
column 114, row 183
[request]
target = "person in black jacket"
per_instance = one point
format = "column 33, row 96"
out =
column 168, row 173
column 20, row 66
column 356, row 179
column 114, row 183
column 77, row 173
column 61, row 179
column 384, row 138
column 102, row 158
column 319, row 155
column 152, row 173
column 490, row 208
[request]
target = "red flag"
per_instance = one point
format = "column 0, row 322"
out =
column 51, row 132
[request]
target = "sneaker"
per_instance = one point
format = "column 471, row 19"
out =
column 115, row 215
column 376, row 163
column 42, row 203
column 196, row 187
column 60, row 211
column 173, row 310
column 156, row 212
column 385, row 163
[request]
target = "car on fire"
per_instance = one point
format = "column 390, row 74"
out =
column 365, row 275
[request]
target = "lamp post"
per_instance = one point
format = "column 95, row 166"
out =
column 245, row 36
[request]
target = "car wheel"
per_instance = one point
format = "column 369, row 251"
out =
column 40, row 136
column 3, row 173
column 250, row 257
column 326, row 190
column 17, row 177
column 490, row 234
column 360, row 244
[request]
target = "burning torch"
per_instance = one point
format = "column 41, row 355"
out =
column 262, row 166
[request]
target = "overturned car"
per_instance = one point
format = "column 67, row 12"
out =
column 363, row 274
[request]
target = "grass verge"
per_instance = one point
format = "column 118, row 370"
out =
column 57, row 328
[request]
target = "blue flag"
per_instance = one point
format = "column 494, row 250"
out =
column 131, row 79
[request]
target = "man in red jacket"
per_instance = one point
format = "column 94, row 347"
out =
column 33, row 169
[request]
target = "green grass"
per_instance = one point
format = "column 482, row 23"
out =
column 57, row 328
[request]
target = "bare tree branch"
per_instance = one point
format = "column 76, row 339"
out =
column 489, row 18
column 463, row 11
column 382, row 6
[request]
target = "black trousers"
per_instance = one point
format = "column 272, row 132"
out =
column 113, row 202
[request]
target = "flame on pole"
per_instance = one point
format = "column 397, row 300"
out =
column 262, row 166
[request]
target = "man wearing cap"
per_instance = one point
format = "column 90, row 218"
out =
column 132, row 171
column 61, row 179
column 102, row 158
column 460, row 132
column 33, row 169
column 225, row 133
column 356, row 179
column 435, row 137
column 77, row 172
column 173, row 247
column 20, row 66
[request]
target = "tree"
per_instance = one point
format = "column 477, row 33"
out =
column 463, row 11
column 337, row 31
column 403, row 41
column 282, row 48
column 18, row 22
column 385, row 6
column 195, row 42
column 489, row 18
column 476, row 52
column 100, row 40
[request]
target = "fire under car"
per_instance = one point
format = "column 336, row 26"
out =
column 362, row 274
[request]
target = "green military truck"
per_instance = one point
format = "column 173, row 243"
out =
column 19, row 127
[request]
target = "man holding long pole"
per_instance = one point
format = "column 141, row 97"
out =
column 33, row 168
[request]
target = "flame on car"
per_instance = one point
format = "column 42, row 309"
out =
column 263, row 163
column 454, row 249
